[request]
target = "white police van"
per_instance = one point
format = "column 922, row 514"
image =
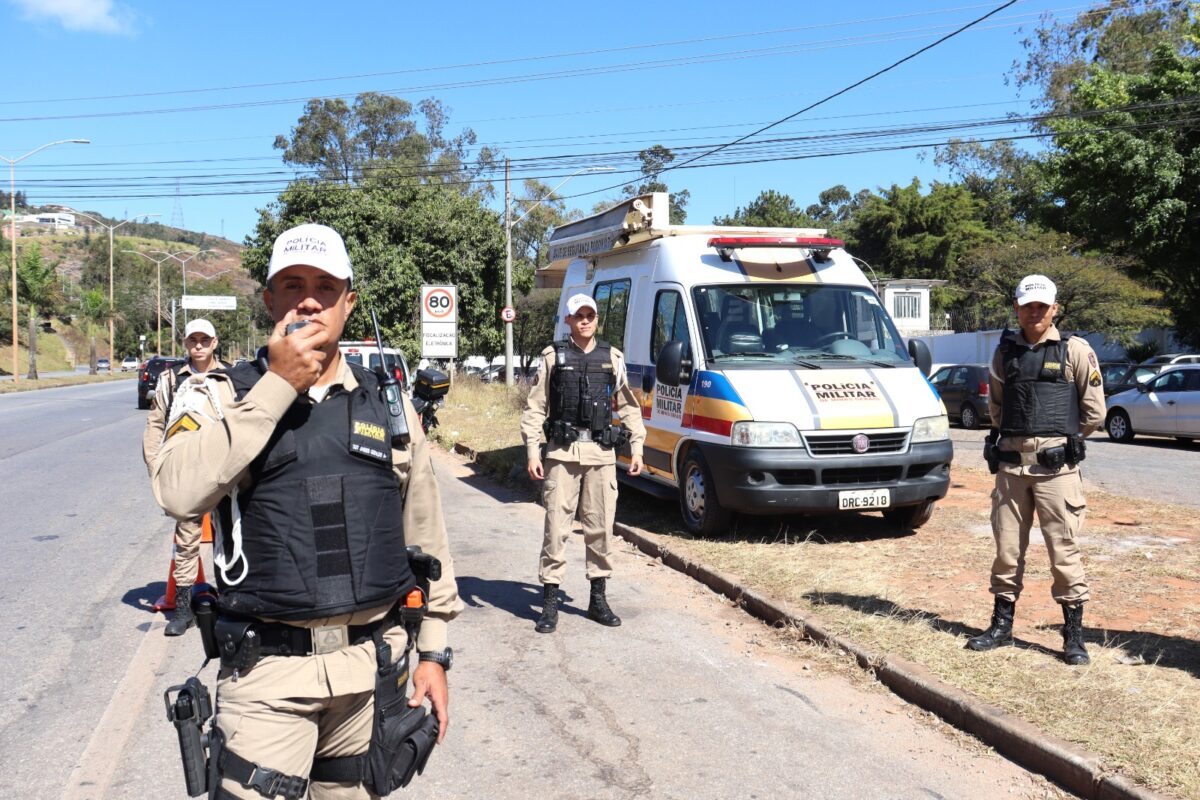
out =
column 771, row 378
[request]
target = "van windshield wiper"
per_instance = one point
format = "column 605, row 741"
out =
column 750, row 354
column 806, row 363
column 844, row 357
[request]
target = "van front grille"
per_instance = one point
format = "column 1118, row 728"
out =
column 840, row 444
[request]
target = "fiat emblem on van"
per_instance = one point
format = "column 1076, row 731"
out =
column 860, row 443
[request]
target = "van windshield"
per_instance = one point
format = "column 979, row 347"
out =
column 810, row 325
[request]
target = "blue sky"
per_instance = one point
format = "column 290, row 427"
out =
column 195, row 93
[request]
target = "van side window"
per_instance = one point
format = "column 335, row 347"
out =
column 612, row 302
column 670, row 323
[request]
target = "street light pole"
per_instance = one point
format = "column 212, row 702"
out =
column 509, row 224
column 183, row 262
column 12, row 221
column 158, row 262
column 111, row 328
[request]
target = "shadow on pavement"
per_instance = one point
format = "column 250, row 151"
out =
column 143, row 597
column 522, row 600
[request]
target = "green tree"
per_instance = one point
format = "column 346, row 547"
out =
column 771, row 209
column 654, row 160
column 346, row 142
column 537, row 315
column 1127, row 176
column 1116, row 34
column 531, row 234
column 1010, row 183
column 1094, row 290
column 94, row 311
column 907, row 234
column 400, row 237
column 37, row 285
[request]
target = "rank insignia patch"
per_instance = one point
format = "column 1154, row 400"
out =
column 185, row 423
column 1094, row 379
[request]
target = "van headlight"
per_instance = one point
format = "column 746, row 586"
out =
column 931, row 429
column 764, row 434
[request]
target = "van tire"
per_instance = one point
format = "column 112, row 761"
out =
column 702, row 513
column 910, row 518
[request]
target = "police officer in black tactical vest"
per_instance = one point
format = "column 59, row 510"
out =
column 316, row 614
column 570, row 409
column 1046, row 396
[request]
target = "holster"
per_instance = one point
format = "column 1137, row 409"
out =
column 402, row 737
column 991, row 452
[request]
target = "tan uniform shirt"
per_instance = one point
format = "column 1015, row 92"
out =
column 1083, row 370
column 156, row 418
column 196, row 468
column 588, row 454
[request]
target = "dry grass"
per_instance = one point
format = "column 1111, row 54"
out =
column 920, row 596
column 24, row 385
column 487, row 418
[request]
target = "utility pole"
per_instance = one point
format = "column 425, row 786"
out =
column 508, row 331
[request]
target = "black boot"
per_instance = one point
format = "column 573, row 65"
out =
column 1074, row 653
column 548, row 621
column 183, row 618
column 598, row 609
column 1001, row 631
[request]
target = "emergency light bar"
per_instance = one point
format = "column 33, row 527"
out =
column 820, row 245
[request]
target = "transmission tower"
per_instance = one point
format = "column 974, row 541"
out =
column 177, row 211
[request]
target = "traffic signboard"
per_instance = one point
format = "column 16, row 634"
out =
column 439, row 304
column 508, row 314
column 439, row 321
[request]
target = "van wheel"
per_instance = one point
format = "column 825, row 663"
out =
column 1118, row 426
column 970, row 420
column 909, row 518
column 702, row 512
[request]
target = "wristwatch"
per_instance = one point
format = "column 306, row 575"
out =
column 443, row 657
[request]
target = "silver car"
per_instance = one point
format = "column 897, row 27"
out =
column 1166, row 405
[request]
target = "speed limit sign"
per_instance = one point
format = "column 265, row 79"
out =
column 439, row 304
column 508, row 314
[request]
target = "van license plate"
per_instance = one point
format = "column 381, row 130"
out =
column 864, row 499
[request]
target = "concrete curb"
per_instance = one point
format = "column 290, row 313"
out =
column 1072, row 767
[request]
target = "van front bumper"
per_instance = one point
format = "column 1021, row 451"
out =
column 762, row 480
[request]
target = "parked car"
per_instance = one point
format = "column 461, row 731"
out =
column 366, row 354
column 964, row 391
column 103, row 363
column 1167, row 404
column 1138, row 374
column 128, row 363
column 1112, row 373
column 148, row 377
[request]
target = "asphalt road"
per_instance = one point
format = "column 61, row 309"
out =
column 1150, row 467
column 687, row 699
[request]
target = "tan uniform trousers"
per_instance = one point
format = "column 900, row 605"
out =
column 289, row 710
column 593, row 489
column 187, row 551
column 1060, row 506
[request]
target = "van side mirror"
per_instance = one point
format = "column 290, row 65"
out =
column 671, row 368
column 919, row 352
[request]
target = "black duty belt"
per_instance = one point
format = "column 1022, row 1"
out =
column 288, row 640
column 1051, row 457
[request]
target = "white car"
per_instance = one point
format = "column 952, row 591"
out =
column 129, row 363
column 1166, row 405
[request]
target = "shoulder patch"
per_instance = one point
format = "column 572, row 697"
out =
column 1092, row 359
column 1094, row 379
column 185, row 423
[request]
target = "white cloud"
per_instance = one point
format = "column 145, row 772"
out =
column 95, row 16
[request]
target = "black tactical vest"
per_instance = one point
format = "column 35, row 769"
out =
column 580, row 384
column 322, row 519
column 1039, row 400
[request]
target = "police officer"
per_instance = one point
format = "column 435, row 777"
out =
column 570, row 409
column 200, row 343
column 1046, row 396
column 318, row 503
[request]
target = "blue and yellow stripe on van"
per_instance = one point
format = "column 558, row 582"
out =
column 713, row 405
